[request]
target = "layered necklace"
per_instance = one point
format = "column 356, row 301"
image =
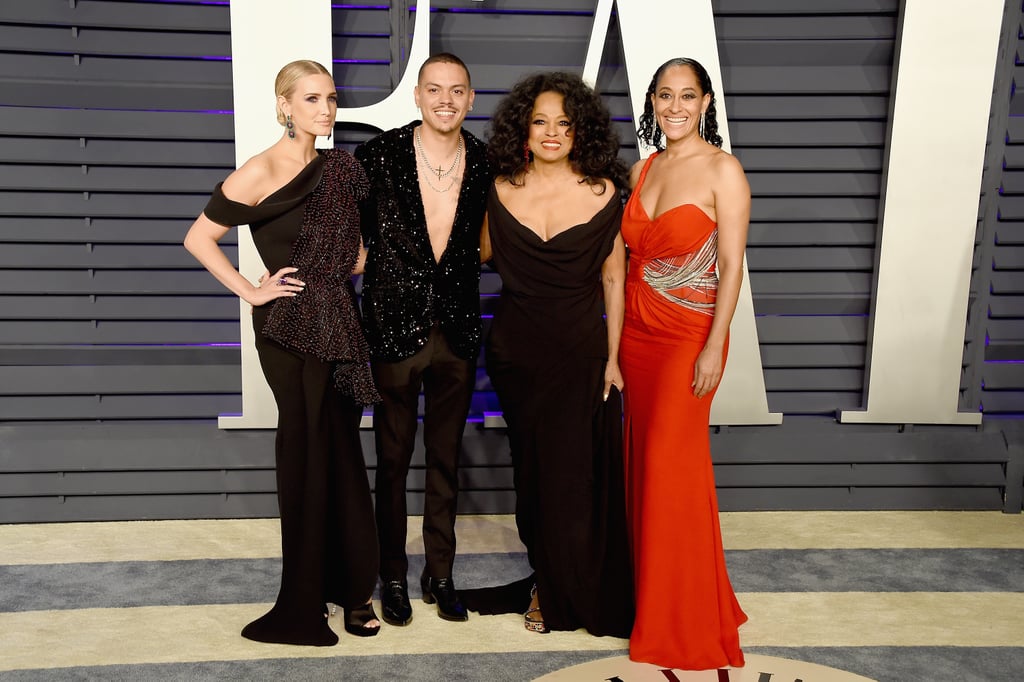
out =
column 441, row 172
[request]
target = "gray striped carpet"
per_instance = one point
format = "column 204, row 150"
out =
column 883, row 595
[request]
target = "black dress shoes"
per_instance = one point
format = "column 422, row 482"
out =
column 442, row 591
column 395, row 606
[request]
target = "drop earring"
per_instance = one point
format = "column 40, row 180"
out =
column 290, row 126
column 700, row 126
column 526, row 153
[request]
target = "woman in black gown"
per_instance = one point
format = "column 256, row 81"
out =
column 553, row 230
column 302, row 208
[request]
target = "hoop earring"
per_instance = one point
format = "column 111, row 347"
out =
column 700, row 126
column 290, row 126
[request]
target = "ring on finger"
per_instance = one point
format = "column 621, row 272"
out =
column 282, row 281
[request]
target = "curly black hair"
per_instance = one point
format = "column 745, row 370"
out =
column 648, row 130
column 595, row 145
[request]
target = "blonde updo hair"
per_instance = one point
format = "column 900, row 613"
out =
column 292, row 73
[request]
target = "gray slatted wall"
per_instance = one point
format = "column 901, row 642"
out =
column 994, row 365
column 115, row 125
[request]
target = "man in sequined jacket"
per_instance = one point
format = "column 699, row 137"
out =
column 421, row 308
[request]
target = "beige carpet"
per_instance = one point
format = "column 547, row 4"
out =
column 86, row 637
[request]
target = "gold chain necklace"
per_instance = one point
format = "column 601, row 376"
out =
column 441, row 173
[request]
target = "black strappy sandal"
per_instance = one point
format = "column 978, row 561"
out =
column 356, row 621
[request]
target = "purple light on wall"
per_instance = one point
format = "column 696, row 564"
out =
column 487, row 10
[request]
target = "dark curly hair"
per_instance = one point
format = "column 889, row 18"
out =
column 595, row 145
column 648, row 130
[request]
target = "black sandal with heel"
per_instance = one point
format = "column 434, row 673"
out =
column 532, row 619
column 356, row 621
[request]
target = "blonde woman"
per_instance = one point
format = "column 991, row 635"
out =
column 302, row 207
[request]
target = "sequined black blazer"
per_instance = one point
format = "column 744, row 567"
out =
column 404, row 290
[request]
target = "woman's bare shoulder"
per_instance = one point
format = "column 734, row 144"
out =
column 634, row 172
column 247, row 184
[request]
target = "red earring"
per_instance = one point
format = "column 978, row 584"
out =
column 526, row 153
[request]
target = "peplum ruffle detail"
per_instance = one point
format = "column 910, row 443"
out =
column 324, row 320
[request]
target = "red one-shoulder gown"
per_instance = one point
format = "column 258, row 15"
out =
column 687, row 616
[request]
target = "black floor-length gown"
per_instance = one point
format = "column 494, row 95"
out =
column 546, row 355
column 328, row 536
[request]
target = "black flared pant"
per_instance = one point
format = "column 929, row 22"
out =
column 328, row 539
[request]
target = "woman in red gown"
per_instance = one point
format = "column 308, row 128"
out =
column 686, row 229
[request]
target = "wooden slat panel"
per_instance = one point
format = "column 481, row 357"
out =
column 200, row 482
column 796, row 303
column 167, row 282
column 1013, row 157
column 781, row 7
column 816, row 402
column 807, row 355
column 67, row 65
column 814, row 184
column 136, row 483
column 811, row 329
column 860, row 499
column 117, row 331
column 123, row 380
column 811, row 209
column 798, row 107
column 108, row 204
column 108, row 179
column 90, row 307
column 1010, row 232
column 808, row 133
column 158, row 16
column 101, row 256
column 811, row 234
column 55, row 94
column 1004, row 351
column 99, row 231
column 101, row 41
column 55, row 408
column 1003, row 402
column 823, row 52
column 1008, row 258
column 514, row 28
column 1011, row 208
column 144, row 125
column 802, row 80
column 1007, row 283
column 814, row 159
column 540, row 7
column 1008, row 375
column 767, row 27
column 1006, row 307
column 796, row 259
column 873, row 475
column 817, row 379
column 136, row 153
column 199, row 506
column 820, row 283
column 41, row 355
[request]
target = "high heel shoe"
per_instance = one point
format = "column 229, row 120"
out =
column 530, row 620
column 356, row 621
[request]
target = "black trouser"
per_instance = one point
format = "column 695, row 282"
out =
column 447, row 381
column 329, row 548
